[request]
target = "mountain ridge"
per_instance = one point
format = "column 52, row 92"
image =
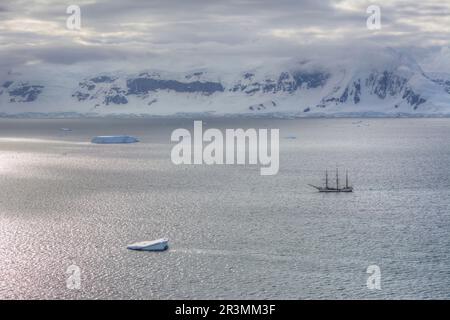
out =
column 387, row 82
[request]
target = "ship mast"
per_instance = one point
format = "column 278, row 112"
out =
column 346, row 179
column 337, row 179
column 326, row 179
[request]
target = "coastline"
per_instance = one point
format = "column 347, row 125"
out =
column 195, row 115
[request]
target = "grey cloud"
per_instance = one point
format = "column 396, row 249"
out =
column 211, row 29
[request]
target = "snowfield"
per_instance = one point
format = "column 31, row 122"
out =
column 386, row 83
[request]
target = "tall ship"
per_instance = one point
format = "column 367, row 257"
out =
column 337, row 188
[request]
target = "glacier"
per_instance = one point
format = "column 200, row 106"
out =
column 374, row 83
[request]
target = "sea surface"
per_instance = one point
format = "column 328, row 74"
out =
column 233, row 233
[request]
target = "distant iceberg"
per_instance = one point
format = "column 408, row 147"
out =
column 114, row 139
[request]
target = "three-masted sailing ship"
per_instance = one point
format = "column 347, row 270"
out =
column 328, row 188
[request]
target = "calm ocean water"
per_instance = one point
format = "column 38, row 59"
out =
column 233, row 233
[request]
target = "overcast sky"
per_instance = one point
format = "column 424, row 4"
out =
column 196, row 31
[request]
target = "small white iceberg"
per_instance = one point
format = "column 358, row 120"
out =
column 155, row 245
column 65, row 129
column 114, row 139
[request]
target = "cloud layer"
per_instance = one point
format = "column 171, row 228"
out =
column 195, row 32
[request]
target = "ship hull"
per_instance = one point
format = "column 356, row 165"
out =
column 334, row 190
column 323, row 189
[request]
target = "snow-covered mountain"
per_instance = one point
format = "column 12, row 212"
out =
column 383, row 82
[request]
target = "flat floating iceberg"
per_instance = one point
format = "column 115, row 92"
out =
column 114, row 139
column 155, row 245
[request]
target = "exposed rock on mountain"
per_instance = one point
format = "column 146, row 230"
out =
column 384, row 83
